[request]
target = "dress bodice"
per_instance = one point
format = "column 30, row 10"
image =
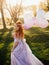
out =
column 19, row 40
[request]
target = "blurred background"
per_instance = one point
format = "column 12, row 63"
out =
column 36, row 37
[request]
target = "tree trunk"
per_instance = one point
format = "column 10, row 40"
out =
column 2, row 14
column 48, row 4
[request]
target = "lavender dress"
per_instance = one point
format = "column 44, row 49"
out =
column 22, row 55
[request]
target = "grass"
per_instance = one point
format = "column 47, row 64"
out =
column 36, row 38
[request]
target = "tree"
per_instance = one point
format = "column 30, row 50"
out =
column 43, row 6
column 48, row 4
column 34, row 8
column 2, row 2
column 14, row 11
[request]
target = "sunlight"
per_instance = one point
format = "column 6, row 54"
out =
column 24, row 2
column 13, row 2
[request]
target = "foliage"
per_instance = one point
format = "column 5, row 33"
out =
column 36, row 38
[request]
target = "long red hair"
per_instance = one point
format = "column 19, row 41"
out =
column 20, row 31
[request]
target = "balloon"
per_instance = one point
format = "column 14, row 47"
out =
column 34, row 19
column 39, row 20
column 42, row 23
column 28, row 21
column 47, row 16
column 26, row 27
column 40, row 13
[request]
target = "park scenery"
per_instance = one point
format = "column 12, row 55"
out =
column 34, row 15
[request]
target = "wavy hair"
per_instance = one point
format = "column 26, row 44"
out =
column 20, row 31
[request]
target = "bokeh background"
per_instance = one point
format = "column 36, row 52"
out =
column 37, row 38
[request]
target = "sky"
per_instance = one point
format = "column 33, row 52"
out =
column 25, row 3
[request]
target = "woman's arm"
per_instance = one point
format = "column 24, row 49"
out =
column 15, row 43
column 14, row 46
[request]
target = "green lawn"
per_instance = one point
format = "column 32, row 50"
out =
column 37, row 39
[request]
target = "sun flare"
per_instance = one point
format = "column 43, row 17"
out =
column 24, row 2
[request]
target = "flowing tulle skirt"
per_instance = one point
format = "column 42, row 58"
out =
column 22, row 55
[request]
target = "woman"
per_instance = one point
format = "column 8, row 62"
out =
column 21, row 53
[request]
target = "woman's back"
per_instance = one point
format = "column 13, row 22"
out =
column 22, row 54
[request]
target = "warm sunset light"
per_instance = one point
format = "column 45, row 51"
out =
column 13, row 2
column 24, row 32
column 24, row 2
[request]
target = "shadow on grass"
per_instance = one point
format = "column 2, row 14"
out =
column 6, row 39
column 37, row 39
